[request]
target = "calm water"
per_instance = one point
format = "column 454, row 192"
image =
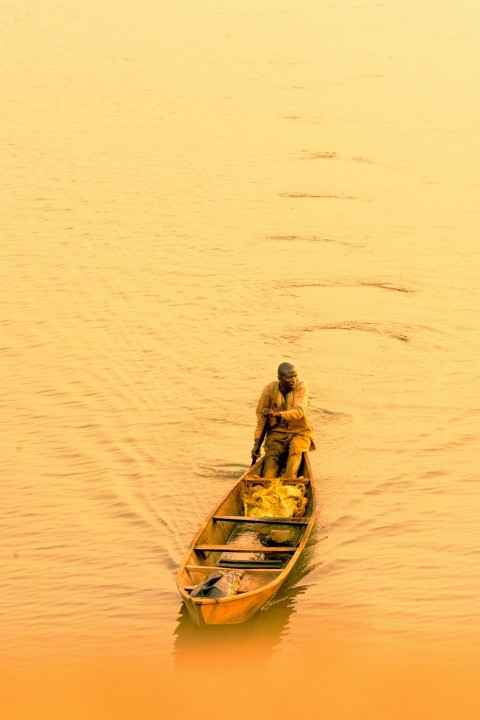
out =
column 195, row 192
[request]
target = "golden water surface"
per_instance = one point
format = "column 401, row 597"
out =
column 193, row 192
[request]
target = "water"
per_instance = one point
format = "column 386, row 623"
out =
column 196, row 192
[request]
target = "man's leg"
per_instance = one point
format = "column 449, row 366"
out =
column 274, row 447
column 298, row 445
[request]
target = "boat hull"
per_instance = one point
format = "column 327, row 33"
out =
column 205, row 554
column 228, row 611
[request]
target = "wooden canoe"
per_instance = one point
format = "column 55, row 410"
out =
column 229, row 540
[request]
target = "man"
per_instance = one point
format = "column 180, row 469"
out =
column 283, row 403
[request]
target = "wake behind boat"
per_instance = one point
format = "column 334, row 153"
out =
column 237, row 562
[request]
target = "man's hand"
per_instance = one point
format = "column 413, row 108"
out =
column 268, row 412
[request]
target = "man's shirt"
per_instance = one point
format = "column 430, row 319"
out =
column 292, row 407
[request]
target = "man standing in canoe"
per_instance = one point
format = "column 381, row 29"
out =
column 283, row 404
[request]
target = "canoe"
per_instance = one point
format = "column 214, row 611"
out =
column 230, row 540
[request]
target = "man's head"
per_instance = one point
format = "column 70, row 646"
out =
column 287, row 377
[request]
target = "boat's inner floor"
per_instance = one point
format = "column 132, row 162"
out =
column 261, row 547
column 266, row 538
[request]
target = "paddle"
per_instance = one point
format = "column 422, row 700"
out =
column 261, row 439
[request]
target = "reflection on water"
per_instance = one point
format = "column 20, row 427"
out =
column 256, row 639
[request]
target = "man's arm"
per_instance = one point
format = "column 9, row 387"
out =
column 263, row 404
column 263, row 413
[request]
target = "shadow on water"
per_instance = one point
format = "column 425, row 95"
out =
column 255, row 640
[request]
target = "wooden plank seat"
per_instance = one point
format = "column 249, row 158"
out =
column 285, row 481
column 236, row 548
column 253, row 565
column 189, row 588
column 267, row 520
column 275, row 564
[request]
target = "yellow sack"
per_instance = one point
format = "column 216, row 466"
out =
column 275, row 500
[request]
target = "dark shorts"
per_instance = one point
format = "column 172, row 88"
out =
column 278, row 442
